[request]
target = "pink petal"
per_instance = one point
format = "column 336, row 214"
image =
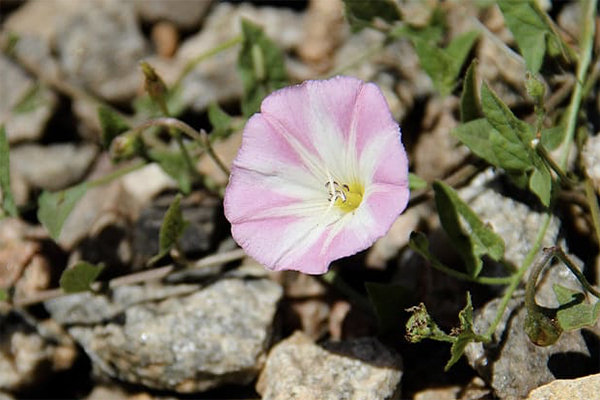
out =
column 276, row 199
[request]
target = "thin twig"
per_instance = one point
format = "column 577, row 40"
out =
column 200, row 136
column 137, row 277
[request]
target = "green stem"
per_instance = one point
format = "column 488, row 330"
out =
column 558, row 252
column 516, row 279
column 543, row 153
column 533, row 278
column 115, row 175
column 201, row 137
column 207, row 54
column 587, row 40
column 484, row 280
column 592, row 201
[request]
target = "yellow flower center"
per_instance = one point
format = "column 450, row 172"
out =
column 346, row 197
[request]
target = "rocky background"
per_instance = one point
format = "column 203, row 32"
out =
column 226, row 328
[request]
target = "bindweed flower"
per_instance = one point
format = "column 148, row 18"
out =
column 320, row 175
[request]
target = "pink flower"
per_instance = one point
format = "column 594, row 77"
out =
column 321, row 174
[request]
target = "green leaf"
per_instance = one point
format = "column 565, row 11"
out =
column 474, row 242
column 175, row 102
column 469, row 99
column 261, row 66
column 388, row 302
column 55, row 207
column 512, row 156
column 173, row 226
column 171, row 229
column 432, row 32
column 31, row 100
column 540, row 183
column 421, row 326
column 220, row 121
column 175, row 166
column 112, row 125
column 573, row 313
column 416, row 183
column 476, row 136
column 360, row 14
column 529, row 29
column 218, row 118
column 466, row 335
column 80, row 277
column 437, row 64
column 458, row 49
column 503, row 120
column 553, row 137
column 443, row 65
column 8, row 204
column 3, row 294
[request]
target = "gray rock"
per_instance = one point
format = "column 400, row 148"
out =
column 503, row 362
column 216, row 79
column 99, row 47
column 199, row 210
column 25, row 106
column 52, row 167
column 186, row 343
column 514, row 221
column 574, row 389
column 591, row 160
column 183, row 13
column 361, row 368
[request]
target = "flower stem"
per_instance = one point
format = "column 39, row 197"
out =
column 587, row 41
column 592, row 201
column 207, row 54
column 115, row 175
column 516, row 278
column 201, row 137
column 560, row 254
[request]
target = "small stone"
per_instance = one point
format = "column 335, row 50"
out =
column 53, row 167
column 36, row 276
column 165, row 38
column 99, row 47
column 100, row 207
column 502, row 70
column 569, row 19
column 297, row 368
column 147, row 182
column 394, row 240
column 28, row 358
column 298, row 286
column 324, row 29
column 26, row 106
column 585, row 388
column 191, row 342
column 14, row 257
column 313, row 315
column 438, row 151
column 339, row 312
column 184, row 14
column 591, row 160
column 216, row 79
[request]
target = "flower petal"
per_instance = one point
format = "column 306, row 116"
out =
column 278, row 199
